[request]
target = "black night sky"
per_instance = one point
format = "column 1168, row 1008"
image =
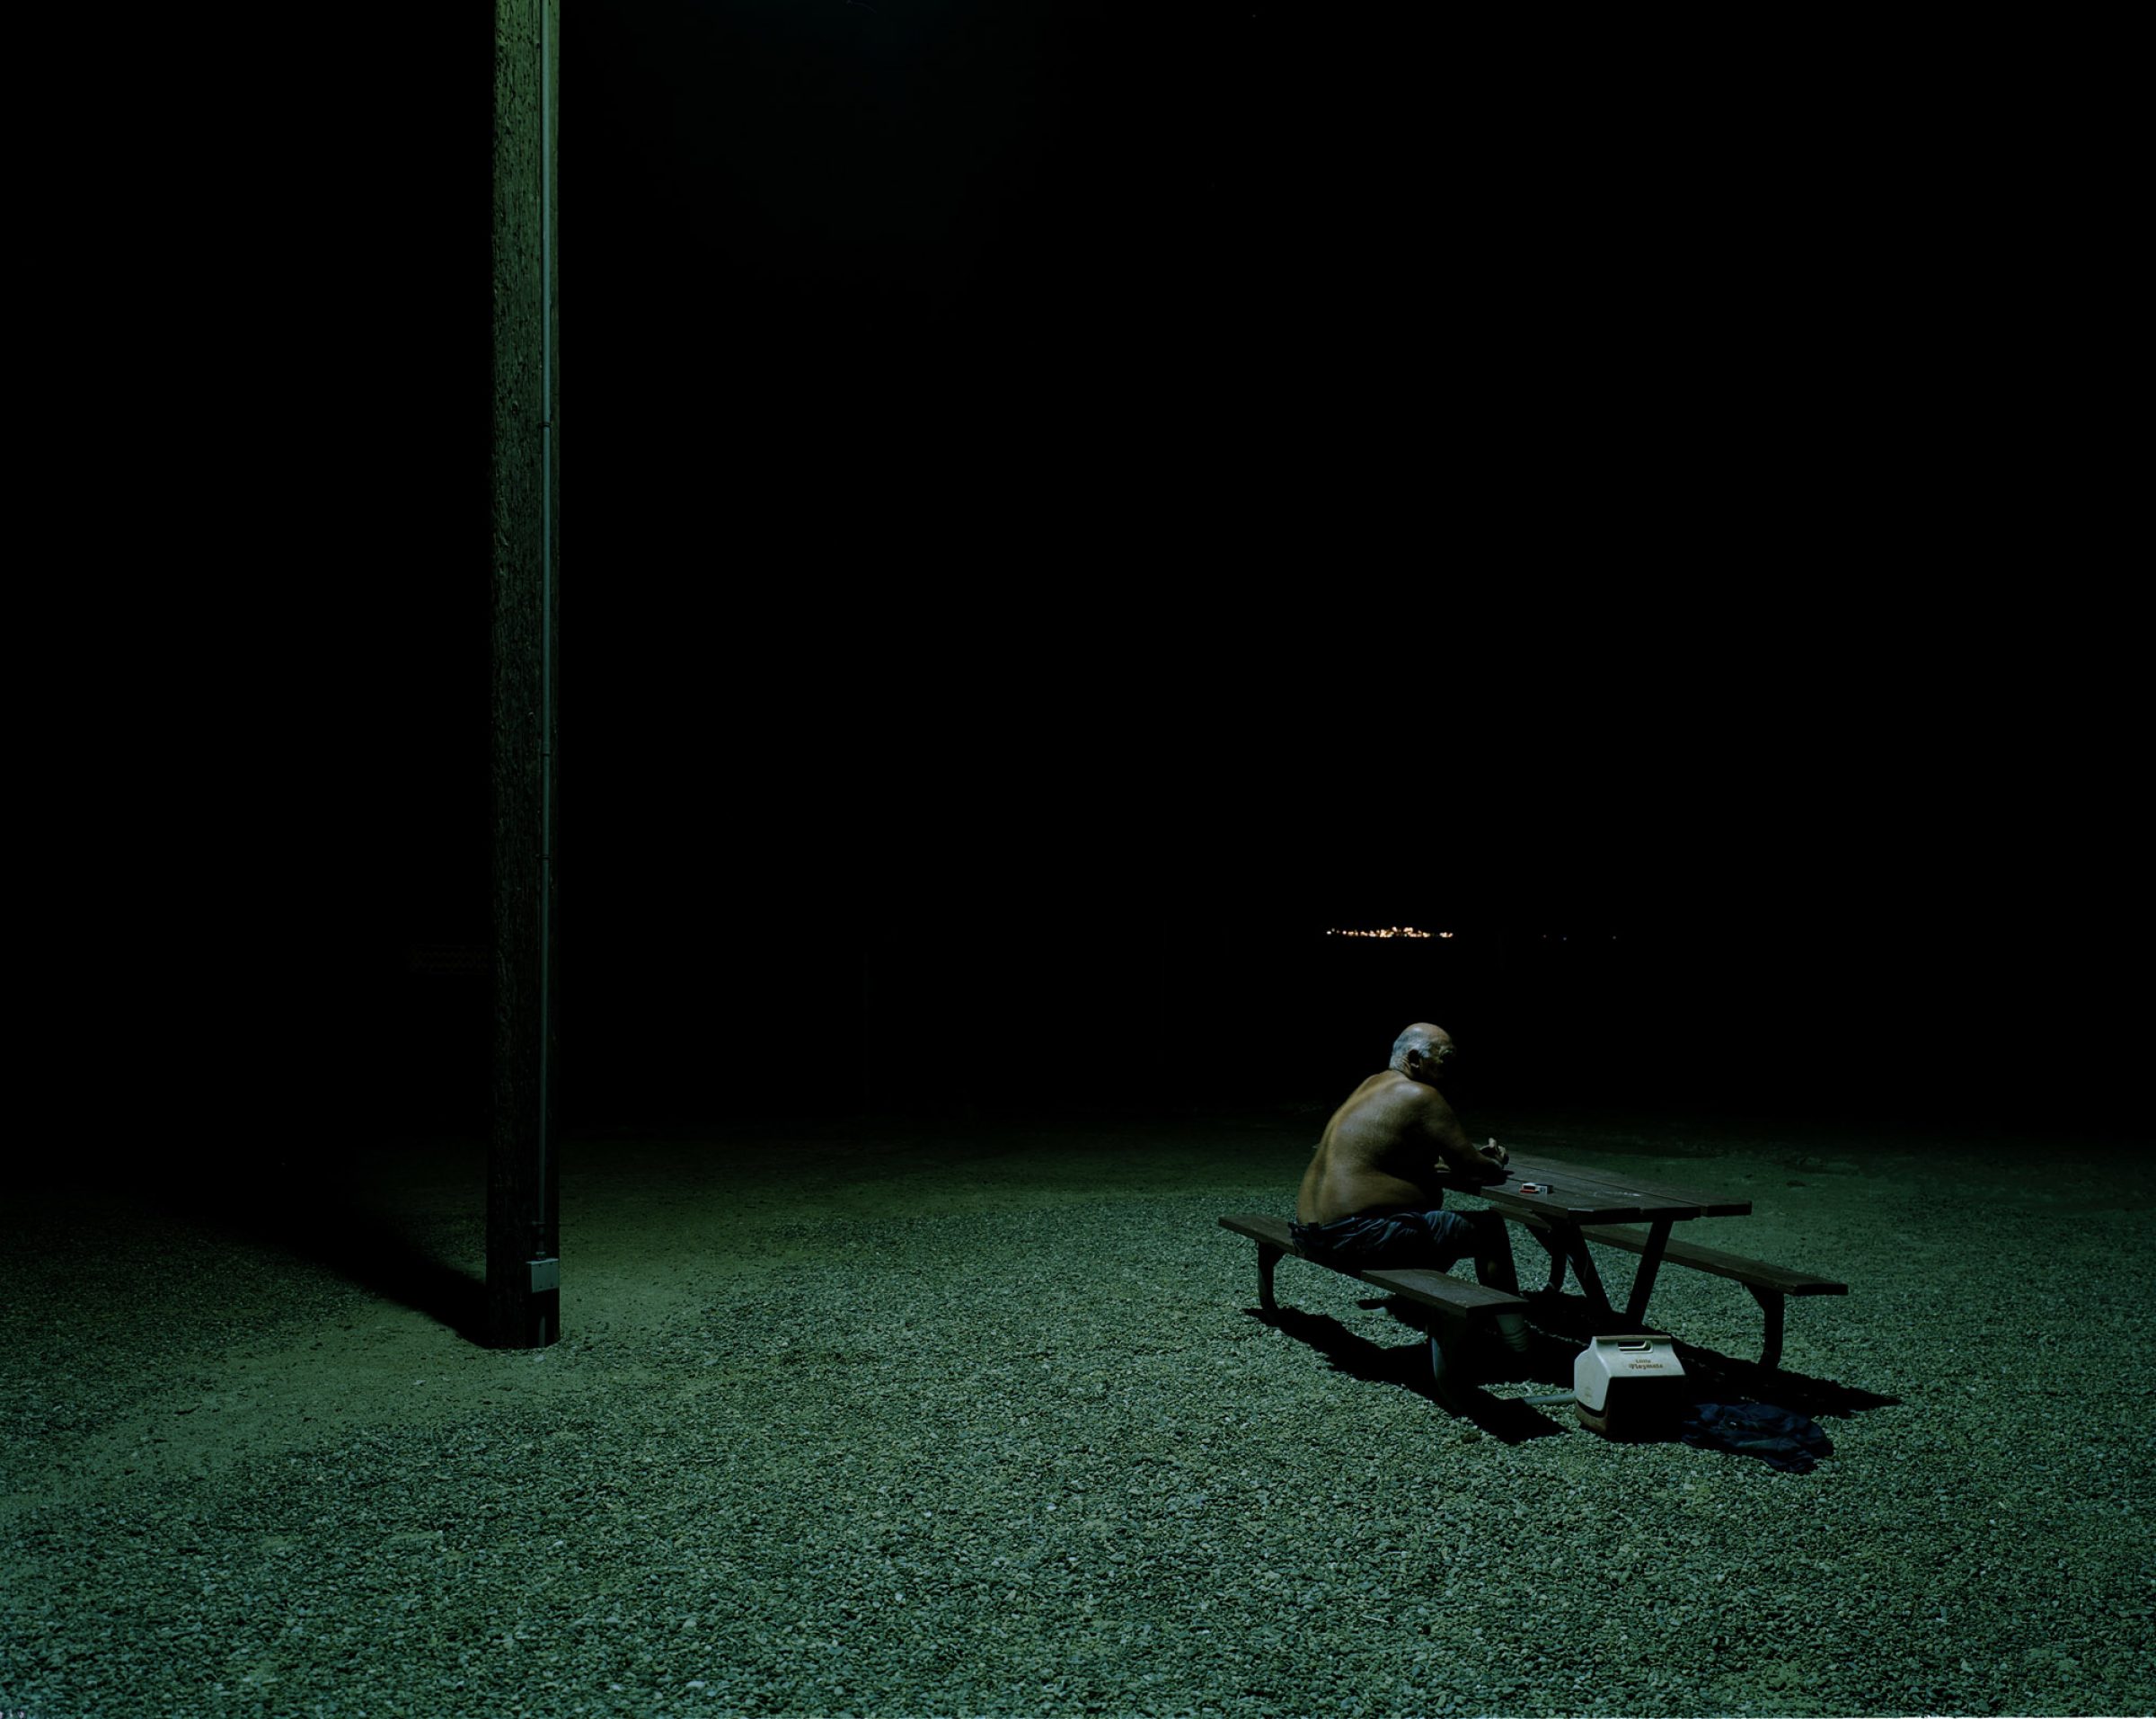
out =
column 1057, row 514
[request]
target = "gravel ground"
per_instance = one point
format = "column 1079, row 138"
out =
column 990, row 1426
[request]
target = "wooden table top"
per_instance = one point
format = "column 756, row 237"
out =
column 1577, row 1194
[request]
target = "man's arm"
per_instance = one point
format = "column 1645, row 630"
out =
column 1456, row 1154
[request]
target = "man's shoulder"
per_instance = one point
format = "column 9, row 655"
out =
column 1400, row 1091
column 1412, row 1105
column 1392, row 1106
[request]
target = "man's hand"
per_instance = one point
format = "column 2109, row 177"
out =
column 1477, row 1162
column 1493, row 1158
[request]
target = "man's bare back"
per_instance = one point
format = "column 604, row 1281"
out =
column 1384, row 1149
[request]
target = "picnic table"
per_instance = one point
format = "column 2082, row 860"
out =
column 1566, row 1206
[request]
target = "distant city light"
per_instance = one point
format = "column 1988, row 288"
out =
column 1388, row 931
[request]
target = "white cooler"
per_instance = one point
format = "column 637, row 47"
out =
column 1625, row 1383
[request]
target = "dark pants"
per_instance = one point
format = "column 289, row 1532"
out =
column 1436, row 1239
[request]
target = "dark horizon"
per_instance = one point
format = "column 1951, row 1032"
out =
column 867, row 1020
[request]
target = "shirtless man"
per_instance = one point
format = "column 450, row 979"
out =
column 1371, row 1197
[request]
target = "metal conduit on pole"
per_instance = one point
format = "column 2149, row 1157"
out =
column 523, row 1177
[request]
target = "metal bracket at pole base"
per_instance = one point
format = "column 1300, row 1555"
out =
column 523, row 1303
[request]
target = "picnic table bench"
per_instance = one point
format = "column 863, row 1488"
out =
column 1459, row 1304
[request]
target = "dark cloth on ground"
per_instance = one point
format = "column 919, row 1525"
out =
column 1778, row 1437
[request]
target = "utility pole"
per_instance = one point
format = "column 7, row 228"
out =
column 524, row 1297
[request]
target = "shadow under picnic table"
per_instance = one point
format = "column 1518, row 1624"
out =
column 1408, row 1367
column 1712, row 1376
column 1561, row 1323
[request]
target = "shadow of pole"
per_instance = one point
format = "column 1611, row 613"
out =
column 312, row 1219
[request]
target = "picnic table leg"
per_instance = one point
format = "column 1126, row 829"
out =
column 1643, row 1279
column 1771, row 1303
column 1567, row 1237
column 1454, row 1379
column 1556, row 1261
column 1267, row 1257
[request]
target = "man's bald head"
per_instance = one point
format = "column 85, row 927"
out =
column 1422, row 1053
